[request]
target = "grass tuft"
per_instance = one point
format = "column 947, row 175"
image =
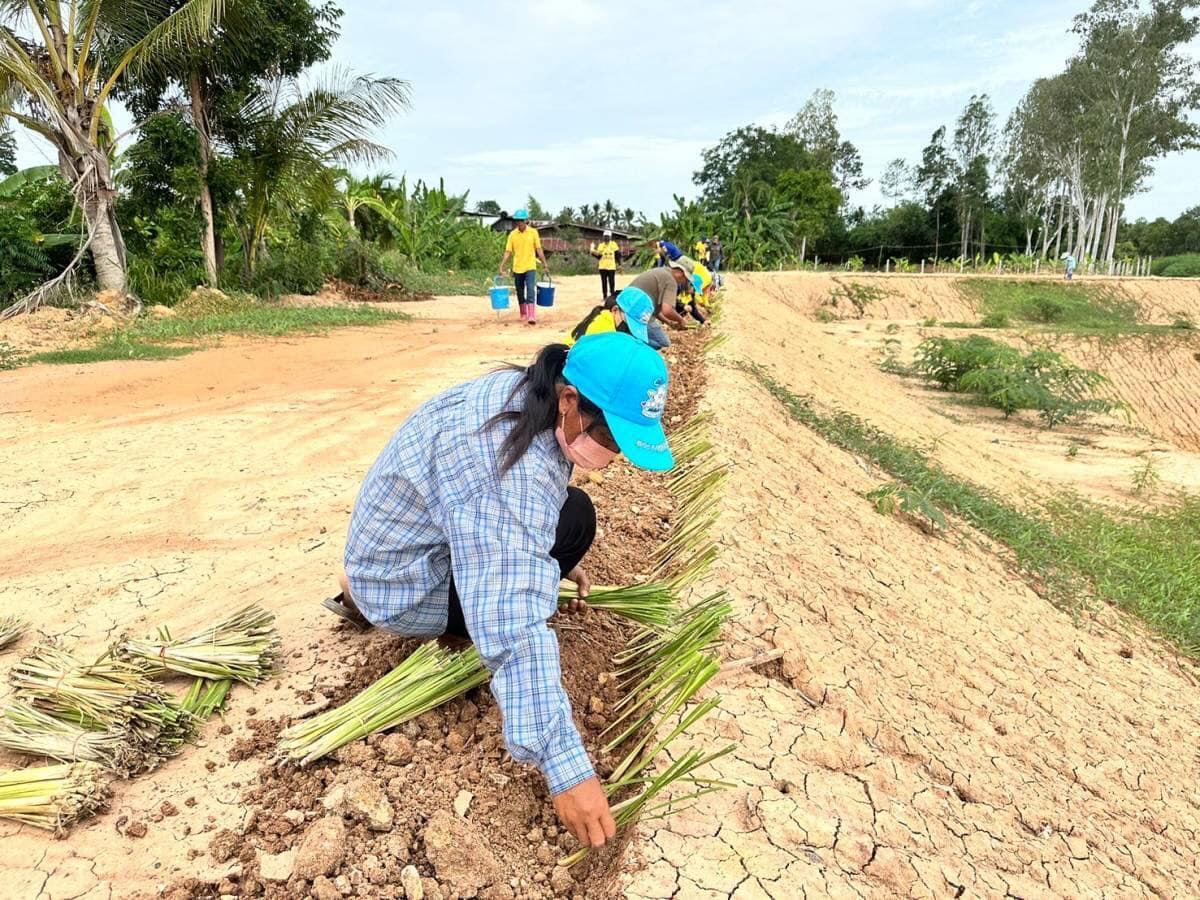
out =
column 160, row 338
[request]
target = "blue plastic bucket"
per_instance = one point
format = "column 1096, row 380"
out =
column 545, row 292
column 499, row 293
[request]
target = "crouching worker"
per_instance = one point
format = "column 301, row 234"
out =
column 465, row 525
column 629, row 312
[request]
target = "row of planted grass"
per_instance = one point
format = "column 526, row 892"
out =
column 149, row 338
column 1145, row 561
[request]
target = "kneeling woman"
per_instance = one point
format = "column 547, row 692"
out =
column 628, row 312
column 466, row 524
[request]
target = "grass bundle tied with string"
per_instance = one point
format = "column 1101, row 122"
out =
column 52, row 797
column 110, row 694
column 651, row 605
column 429, row 677
column 243, row 647
column 27, row 729
column 11, row 629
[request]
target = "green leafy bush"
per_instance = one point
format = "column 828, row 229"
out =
column 1004, row 378
column 1186, row 266
column 890, row 499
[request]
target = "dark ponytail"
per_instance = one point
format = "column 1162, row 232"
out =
column 540, row 382
column 581, row 329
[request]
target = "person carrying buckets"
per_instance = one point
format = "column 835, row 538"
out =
column 629, row 312
column 467, row 521
column 608, row 252
column 524, row 248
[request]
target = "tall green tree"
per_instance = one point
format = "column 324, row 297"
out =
column 488, row 207
column 974, row 135
column 58, row 83
column 741, row 170
column 816, row 126
column 1136, row 73
column 256, row 40
column 295, row 138
column 934, row 178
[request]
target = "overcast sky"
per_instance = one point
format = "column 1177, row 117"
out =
column 581, row 100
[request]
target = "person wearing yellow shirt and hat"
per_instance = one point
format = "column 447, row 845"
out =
column 524, row 248
column 608, row 252
column 629, row 311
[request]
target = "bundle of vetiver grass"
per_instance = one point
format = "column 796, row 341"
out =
column 651, row 605
column 110, row 694
column 429, row 677
column 52, row 797
column 11, row 629
column 27, row 729
column 243, row 648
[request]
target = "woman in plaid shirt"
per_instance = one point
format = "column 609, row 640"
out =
column 466, row 524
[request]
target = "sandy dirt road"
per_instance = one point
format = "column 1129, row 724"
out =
column 933, row 728
column 147, row 493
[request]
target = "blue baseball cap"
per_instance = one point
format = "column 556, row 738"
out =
column 521, row 214
column 628, row 381
column 638, row 309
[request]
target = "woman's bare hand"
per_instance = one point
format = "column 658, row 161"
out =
column 584, row 585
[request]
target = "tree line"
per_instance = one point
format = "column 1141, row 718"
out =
column 1053, row 179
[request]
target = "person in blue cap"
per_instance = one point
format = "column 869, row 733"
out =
column 630, row 312
column 466, row 524
column 524, row 248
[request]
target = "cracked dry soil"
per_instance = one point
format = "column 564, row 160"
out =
column 933, row 728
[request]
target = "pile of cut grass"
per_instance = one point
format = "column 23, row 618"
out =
column 1144, row 561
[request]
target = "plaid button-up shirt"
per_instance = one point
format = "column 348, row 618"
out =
column 434, row 502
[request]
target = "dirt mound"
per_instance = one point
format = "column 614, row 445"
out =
column 933, row 728
column 1156, row 376
column 53, row 328
column 913, row 298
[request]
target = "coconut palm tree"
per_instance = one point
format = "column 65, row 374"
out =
column 359, row 193
column 60, row 63
column 295, row 137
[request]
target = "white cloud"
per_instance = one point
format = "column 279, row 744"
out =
column 644, row 156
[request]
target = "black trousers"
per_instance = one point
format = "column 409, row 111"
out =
column 572, row 540
column 608, row 282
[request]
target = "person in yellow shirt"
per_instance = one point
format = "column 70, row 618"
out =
column 608, row 252
column 524, row 248
column 700, row 249
column 629, row 311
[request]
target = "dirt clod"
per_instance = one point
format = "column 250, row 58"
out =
column 363, row 799
column 322, row 848
column 410, row 880
column 459, row 854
